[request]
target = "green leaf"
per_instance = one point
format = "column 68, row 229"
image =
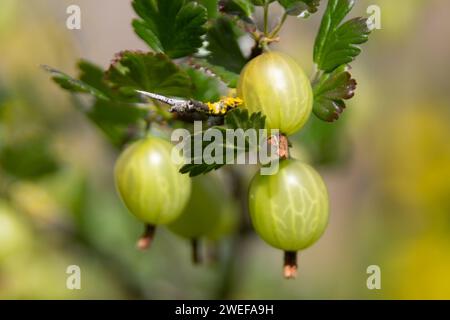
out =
column 201, row 168
column 325, row 144
column 235, row 119
column 116, row 113
column 224, row 47
column 228, row 77
column 300, row 8
column 241, row 8
column 74, row 85
column 337, row 43
column 174, row 27
column 91, row 81
column 330, row 91
column 211, row 6
column 30, row 159
column 116, row 119
column 205, row 88
column 94, row 76
column 110, row 112
column 239, row 118
column 149, row 72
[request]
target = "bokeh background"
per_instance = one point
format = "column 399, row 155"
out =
column 386, row 164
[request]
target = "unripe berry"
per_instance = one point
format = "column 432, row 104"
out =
column 274, row 84
column 289, row 209
column 149, row 182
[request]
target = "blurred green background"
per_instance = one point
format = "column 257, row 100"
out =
column 386, row 164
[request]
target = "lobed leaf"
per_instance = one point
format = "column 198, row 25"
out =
column 150, row 72
column 228, row 77
column 212, row 6
column 74, row 85
column 330, row 91
column 174, row 27
column 241, row 8
column 337, row 43
column 239, row 118
column 94, row 76
column 110, row 111
column 204, row 87
column 300, row 8
column 235, row 119
column 224, row 47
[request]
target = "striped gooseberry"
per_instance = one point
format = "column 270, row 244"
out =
column 289, row 210
column 150, row 184
column 274, row 84
column 207, row 214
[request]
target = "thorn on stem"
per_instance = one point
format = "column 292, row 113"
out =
column 290, row 264
column 146, row 239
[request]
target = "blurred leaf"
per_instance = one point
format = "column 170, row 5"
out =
column 68, row 188
column 205, row 88
column 116, row 113
column 149, row 72
column 29, row 159
column 228, row 77
column 241, row 8
column 326, row 144
column 337, row 43
column 171, row 27
column 224, row 47
column 330, row 91
column 211, row 6
column 94, row 76
column 235, row 119
column 116, row 119
column 74, row 85
column 110, row 112
column 300, row 8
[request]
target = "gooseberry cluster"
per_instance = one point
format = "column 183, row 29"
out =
column 196, row 53
column 289, row 209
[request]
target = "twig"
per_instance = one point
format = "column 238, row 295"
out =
column 178, row 105
column 266, row 18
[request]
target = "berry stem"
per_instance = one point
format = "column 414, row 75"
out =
column 196, row 256
column 146, row 239
column 266, row 18
column 277, row 29
column 290, row 264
